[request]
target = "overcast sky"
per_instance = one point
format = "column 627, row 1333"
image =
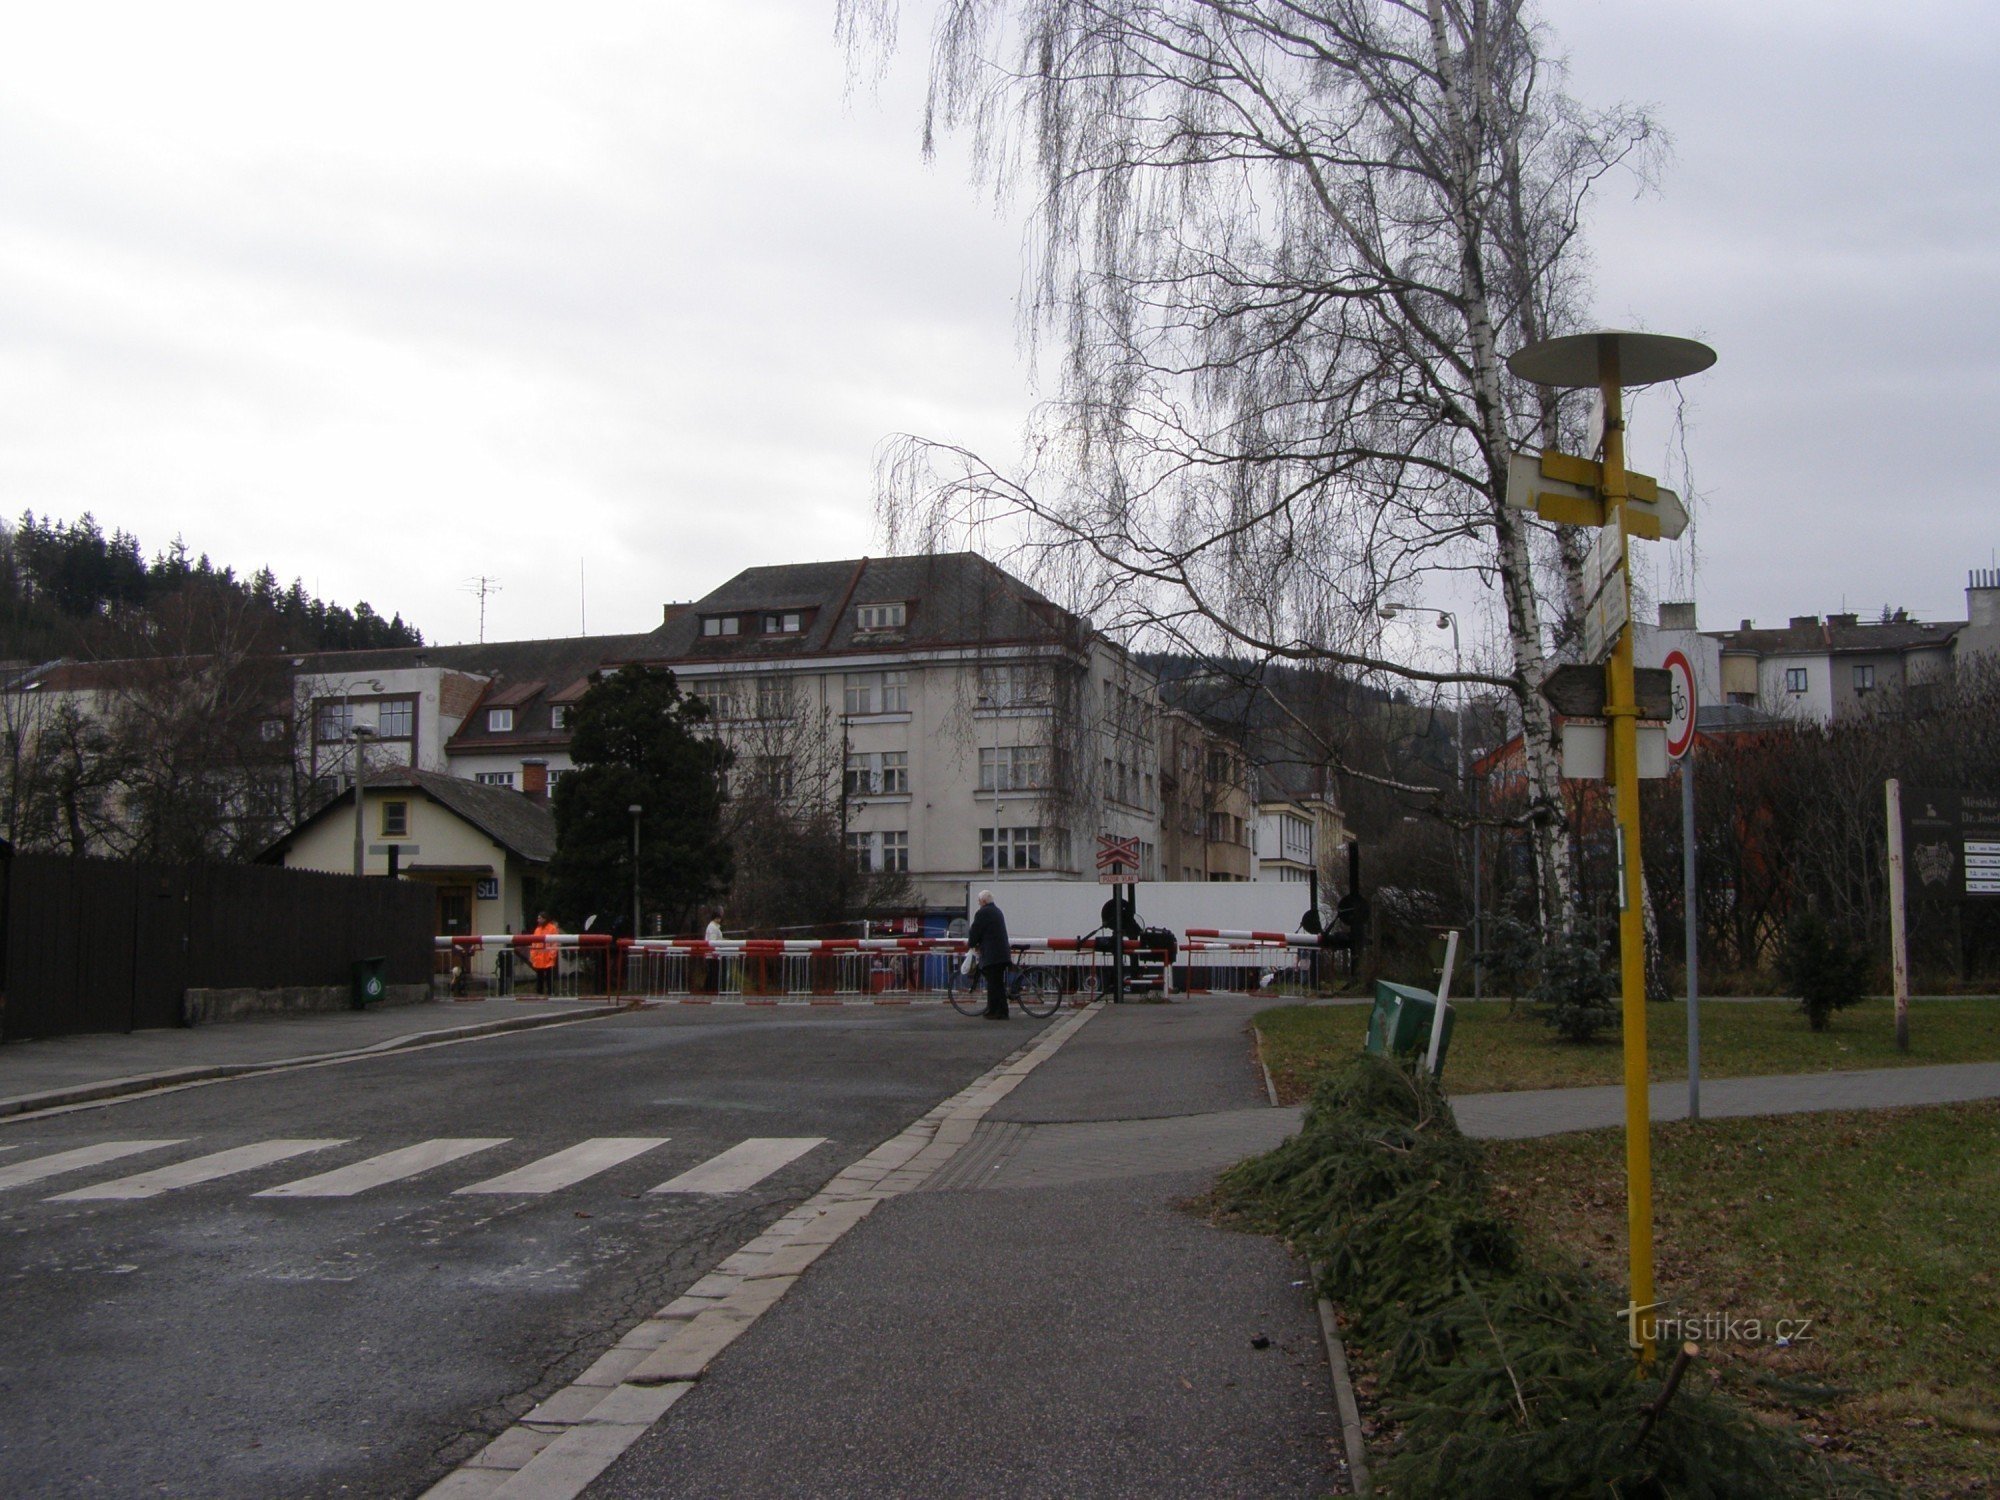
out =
column 388, row 297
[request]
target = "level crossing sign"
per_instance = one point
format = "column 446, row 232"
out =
column 1117, row 859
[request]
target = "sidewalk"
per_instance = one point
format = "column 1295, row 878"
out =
column 1041, row 1317
column 71, row 1069
column 1553, row 1111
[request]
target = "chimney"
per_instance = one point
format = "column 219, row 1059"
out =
column 1748, row 625
column 1982, row 597
column 535, row 779
column 1843, row 622
column 1805, row 622
column 1677, row 617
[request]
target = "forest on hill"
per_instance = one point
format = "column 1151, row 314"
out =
column 68, row 589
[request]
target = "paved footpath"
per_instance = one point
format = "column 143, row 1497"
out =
column 62, row 1070
column 1553, row 1111
column 1041, row 1317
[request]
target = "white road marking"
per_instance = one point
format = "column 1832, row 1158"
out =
column 35, row 1169
column 743, row 1165
column 199, row 1169
column 390, row 1166
column 571, row 1166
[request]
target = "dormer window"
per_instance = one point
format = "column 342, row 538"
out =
column 786, row 622
column 559, row 716
column 722, row 625
column 880, row 616
column 499, row 721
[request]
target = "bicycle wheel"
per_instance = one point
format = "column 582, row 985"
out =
column 967, row 992
column 1039, row 993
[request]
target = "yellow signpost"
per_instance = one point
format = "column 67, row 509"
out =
column 1604, row 493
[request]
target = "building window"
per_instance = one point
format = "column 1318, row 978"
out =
column 864, row 692
column 719, row 697
column 877, row 772
column 774, row 776
column 554, row 777
column 785, row 622
column 1015, row 685
column 494, row 778
column 895, row 773
column 1795, row 679
column 396, row 820
column 1019, row 848
column 895, row 692
column 271, row 729
column 880, row 616
column 1011, row 768
column 499, row 720
column 559, row 716
column 722, row 625
column 896, row 853
column 1864, row 678
column 861, row 852
column 396, row 719
column 774, row 697
column 332, row 722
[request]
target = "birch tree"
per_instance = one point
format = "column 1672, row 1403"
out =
column 1278, row 251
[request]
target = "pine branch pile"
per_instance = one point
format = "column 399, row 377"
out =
column 1507, row 1379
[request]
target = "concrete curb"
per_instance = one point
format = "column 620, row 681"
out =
column 144, row 1083
column 558, row 1449
column 1344, row 1398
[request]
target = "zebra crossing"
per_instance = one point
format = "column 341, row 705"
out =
column 735, row 1170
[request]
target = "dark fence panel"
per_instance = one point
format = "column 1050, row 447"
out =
column 108, row 945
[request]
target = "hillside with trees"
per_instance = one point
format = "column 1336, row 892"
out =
column 67, row 589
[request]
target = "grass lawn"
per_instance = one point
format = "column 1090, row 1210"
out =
column 1880, row 1226
column 1491, row 1050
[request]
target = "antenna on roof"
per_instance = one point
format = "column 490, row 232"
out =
column 482, row 586
column 582, row 611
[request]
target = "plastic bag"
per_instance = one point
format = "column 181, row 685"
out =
column 971, row 965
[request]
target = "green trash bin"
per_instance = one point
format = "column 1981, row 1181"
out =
column 367, row 980
column 1401, row 1021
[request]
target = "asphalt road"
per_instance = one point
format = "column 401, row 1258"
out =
column 207, row 1341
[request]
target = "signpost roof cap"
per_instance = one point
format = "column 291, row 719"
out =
column 1643, row 358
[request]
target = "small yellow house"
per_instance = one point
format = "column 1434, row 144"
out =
column 483, row 848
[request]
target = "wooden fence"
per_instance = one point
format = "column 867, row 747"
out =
column 108, row 945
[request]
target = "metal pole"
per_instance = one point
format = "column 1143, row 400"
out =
column 635, row 809
column 1689, row 914
column 1478, row 869
column 1622, row 709
column 1899, row 936
column 1117, row 941
column 360, row 780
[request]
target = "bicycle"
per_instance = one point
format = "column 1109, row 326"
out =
column 1037, row 991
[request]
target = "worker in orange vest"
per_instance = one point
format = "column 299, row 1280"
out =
column 542, row 953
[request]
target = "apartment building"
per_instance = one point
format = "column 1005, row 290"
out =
column 980, row 731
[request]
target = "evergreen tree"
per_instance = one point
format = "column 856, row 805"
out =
column 636, row 739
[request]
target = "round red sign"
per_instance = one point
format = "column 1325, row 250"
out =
column 1680, row 728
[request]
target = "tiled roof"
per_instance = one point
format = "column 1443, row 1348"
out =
column 955, row 599
column 1839, row 635
column 515, row 822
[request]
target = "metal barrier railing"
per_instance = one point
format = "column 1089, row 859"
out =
column 589, row 965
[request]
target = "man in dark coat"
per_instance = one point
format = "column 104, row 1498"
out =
column 987, row 937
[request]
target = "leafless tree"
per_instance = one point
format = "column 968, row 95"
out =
column 1278, row 252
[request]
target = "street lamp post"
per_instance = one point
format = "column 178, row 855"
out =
column 1446, row 619
column 357, row 733
column 634, row 810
